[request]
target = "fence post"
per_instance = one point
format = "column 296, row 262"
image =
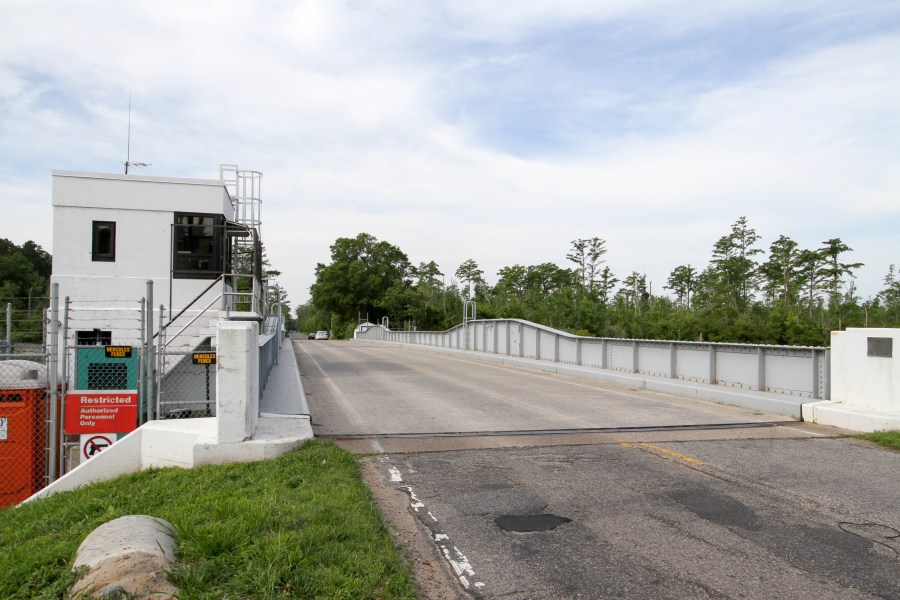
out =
column 556, row 348
column 634, row 356
column 712, row 364
column 142, row 367
column 603, row 345
column 148, row 349
column 521, row 339
column 578, row 351
column 160, row 357
column 9, row 327
column 52, row 369
column 537, row 343
column 65, row 383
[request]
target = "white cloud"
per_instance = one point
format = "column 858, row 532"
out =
column 353, row 114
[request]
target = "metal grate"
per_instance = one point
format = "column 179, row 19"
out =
column 107, row 376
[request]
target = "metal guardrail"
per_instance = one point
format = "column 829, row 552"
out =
column 269, row 344
column 792, row 370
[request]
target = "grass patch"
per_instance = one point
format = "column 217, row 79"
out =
column 299, row 526
column 888, row 439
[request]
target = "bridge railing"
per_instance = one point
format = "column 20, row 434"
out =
column 794, row 370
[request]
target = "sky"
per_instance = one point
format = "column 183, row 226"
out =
column 496, row 131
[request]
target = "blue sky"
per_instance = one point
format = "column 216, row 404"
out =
column 488, row 130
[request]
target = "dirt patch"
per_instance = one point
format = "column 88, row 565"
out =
column 138, row 575
column 433, row 578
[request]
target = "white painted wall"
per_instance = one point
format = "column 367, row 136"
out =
column 143, row 209
column 867, row 382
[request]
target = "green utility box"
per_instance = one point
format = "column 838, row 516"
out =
column 107, row 368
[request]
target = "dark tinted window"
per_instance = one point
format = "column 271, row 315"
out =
column 199, row 246
column 103, row 241
column 94, row 337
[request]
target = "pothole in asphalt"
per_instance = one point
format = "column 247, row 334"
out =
column 530, row 523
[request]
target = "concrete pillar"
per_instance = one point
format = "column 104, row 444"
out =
column 237, row 381
column 865, row 369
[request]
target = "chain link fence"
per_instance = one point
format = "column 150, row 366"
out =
column 24, row 331
column 86, row 373
column 187, row 387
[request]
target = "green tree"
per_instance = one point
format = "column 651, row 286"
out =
column 587, row 255
column 470, row 275
column 833, row 271
column 733, row 267
column 359, row 278
column 782, row 272
column 890, row 295
column 681, row 281
column 25, row 284
column 606, row 285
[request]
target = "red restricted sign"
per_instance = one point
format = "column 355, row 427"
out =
column 101, row 411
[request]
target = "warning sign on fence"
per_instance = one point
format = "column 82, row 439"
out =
column 204, row 358
column 4, row 428
column 92, row 445
column 101, row 411
column 118, row 351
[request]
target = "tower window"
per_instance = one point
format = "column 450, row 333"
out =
column 199, row 246
column 103, row 241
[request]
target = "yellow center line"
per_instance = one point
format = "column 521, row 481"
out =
column 641, row 445
column 675, row 454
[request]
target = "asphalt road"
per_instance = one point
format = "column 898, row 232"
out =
column 539, row 486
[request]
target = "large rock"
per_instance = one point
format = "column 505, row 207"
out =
column 127, row 557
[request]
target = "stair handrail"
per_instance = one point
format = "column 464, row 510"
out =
column 189, row 323
column 190, row 304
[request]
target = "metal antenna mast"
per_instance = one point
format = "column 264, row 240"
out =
column 128, row 162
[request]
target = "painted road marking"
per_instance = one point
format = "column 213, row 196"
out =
column 802, row 431
column 395, row 475
column 458, row 562
column 666, row 453
column 672, row 453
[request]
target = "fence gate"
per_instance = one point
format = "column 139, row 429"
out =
column 187, row 380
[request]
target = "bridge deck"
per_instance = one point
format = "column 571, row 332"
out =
column 356, row 388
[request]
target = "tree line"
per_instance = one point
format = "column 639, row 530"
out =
column 784, row 295
column 24, row 286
